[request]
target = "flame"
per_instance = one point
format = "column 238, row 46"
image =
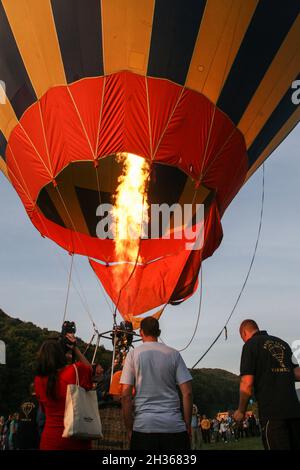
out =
column 130, row 207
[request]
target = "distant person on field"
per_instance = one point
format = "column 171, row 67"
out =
column 5, row 439
column 215, row 430
column 28, row 428
column 13, row 429
column 2, row 426
column 223, row 430
column 205, row 426
column 196, row 432
column 268, row 371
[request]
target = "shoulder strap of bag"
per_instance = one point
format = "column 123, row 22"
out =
column 77, row 376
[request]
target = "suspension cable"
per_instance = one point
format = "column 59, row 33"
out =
column 198, row 314
column 85, row 299
column 200, row 298
column 89, row 345
column 68, row 288
column 96, row 348
column 247, row 275
column 104, row 295
column 73, row 225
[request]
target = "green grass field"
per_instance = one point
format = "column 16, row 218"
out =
column 250, row 443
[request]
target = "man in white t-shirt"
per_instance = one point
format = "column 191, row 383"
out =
column 155, row 421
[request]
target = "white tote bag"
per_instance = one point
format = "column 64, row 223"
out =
column 82, row 419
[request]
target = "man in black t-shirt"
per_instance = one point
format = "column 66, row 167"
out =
column 28, row 431
column 268, row 371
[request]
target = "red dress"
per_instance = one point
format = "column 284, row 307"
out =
column 51, row 438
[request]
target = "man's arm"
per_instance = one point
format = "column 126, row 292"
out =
column 127, row 407
column 187, row 398
column 246, row 391
column 297, row 374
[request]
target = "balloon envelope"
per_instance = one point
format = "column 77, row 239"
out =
column 201, row 89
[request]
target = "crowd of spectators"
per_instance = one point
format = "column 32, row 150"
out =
column 222, row 428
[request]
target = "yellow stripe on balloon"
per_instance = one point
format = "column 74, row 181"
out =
column 34, row 30
column 126, row 32
column 221, row 32
column 8, row 119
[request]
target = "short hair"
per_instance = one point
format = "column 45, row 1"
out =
column 150, row 327
column 249, row 325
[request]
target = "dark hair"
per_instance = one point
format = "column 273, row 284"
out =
column 150, row 327
column 51, row 358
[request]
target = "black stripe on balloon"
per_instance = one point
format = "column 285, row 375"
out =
column 13, row 73
column 268, row 28
column 280, row 115
column 48, row 208
column 174, row 32
column 3, row 144
column 89, row 201
column 78, row 26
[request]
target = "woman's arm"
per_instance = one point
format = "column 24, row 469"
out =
column 78, row 354
column 80, row 357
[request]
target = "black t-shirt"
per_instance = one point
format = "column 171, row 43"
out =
column 27, row 434
column 269, row 359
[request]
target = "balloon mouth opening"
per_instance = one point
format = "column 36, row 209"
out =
column 81, row 188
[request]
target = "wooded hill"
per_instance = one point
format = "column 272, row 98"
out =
column 214, row 389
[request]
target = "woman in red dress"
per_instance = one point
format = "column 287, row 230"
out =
column 51, row 388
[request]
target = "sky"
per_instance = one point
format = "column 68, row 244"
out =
column 34, row 271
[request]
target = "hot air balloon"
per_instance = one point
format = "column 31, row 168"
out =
column 200, row 90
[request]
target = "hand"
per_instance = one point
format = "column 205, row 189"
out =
column 189, row 430
column 71, row 340
column 238, row 416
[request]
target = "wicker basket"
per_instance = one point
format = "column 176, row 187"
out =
column 114, row 432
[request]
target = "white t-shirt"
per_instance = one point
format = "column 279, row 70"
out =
column 155, row 370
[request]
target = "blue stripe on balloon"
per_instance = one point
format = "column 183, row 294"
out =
column 18, row 87
column 79, row 30
column 175, row 28
column 269, row 26
column 280, row 115
column 3, row 144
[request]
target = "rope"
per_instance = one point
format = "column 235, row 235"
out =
column 62, row 265
column 89, row 345
column 68, row 289
column 248, row 273
column 75, row 233
column 96, row 348
column 84, row 299
column 104, row 295
column 198, row 315
column 113, row 357
column 200, row 299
